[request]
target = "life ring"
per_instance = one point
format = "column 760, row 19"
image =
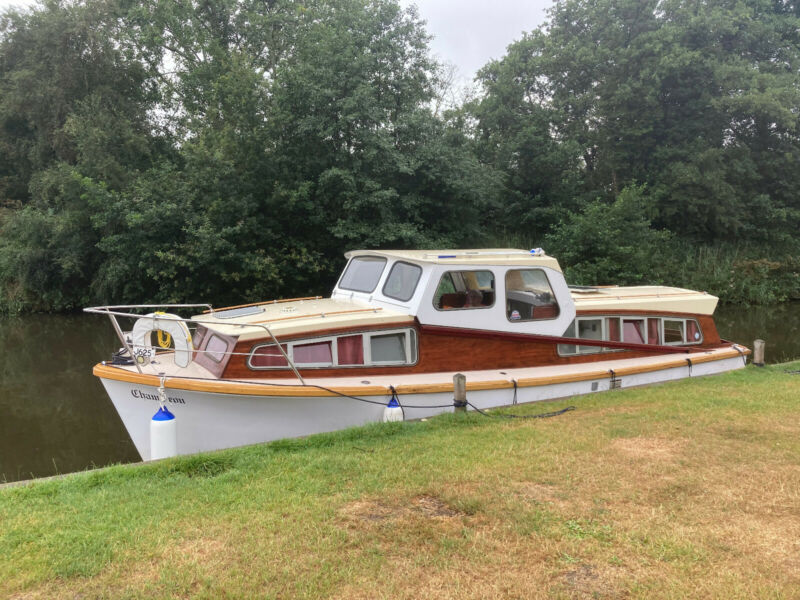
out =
column 169, row 324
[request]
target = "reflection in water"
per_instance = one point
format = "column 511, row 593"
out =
column 778, row 326
column 55, row 416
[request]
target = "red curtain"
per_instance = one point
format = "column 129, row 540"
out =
column 351, row 350
column 653, row 331
column 613, row 329
column 692, row 331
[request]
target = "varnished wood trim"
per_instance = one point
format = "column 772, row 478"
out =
column 252, row 389
column 320, row 314
column 262, row 303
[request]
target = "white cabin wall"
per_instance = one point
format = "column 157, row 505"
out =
column 493, row 319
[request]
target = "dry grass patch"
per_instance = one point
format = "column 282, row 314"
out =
column 649, row 448
column 425, row 506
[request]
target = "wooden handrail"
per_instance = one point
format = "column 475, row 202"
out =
column 262, row 303
column 322, row 314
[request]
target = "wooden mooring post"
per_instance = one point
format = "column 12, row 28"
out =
column 459, row 392
column 758, row 352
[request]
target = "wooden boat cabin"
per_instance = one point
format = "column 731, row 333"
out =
column 395, row 312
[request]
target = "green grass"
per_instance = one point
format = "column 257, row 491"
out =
column 685, row 489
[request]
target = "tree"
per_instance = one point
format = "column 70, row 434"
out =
column 698, row 100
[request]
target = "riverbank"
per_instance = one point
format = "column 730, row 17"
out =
column 683, row 489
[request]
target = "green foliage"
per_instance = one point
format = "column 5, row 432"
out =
column 231, row 150
column 698, row 101
column 292, row 134
column 610, row 243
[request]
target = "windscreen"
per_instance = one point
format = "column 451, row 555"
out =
column 362, row 273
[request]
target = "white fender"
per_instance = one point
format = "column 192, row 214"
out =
column 169, row 323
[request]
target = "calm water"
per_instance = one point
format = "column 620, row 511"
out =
column 55, row 416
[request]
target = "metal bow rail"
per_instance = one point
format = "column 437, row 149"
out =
column 119, row 311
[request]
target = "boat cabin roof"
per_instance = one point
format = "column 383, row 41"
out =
column 483, row 257
column 307, row 315
column 651, row 298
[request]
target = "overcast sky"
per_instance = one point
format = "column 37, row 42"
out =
column 469, row 33
column 466, row 33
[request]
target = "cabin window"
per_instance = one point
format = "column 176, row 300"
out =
column 651, row 330
column 587, row 329
column 633, row 331
column 402, row 281
column 682, row 331
column 216, row 348
column 316, row 354
column 350, row 349
column 529, row 296
column 396, row 347
column 387, row 348
column 465, row 290
column 673, row 331
column 590, row 329
column 265, row 357
column 362, row 273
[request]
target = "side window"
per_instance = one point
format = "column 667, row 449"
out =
column 315, row 354
column 587, row 329
column 633, row 331
column 402, row 281
column 268, row 356
column 529, row 296
column 216, row 348
column 590, row 329
column 650, row 330
column 465, row 290
column 393, row 347
column 350, row 349
column 389, row 348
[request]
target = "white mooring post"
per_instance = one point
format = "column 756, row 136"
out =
column 758, row 352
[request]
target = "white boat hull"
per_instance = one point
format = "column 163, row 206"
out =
column 213, row 420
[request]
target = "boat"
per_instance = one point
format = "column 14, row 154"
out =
column 396, row 329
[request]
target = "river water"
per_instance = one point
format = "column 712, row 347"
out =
column 55, row 416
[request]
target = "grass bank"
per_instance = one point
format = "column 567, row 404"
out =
column 685, row 489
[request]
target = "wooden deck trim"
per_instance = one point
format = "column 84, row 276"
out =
column 267, row 390
column 320, row 314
